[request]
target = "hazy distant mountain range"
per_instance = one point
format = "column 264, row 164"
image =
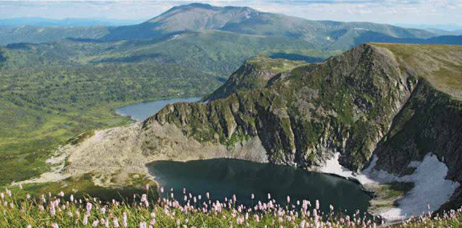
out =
column 203, row 18
column 40, row 21
column 440, row 29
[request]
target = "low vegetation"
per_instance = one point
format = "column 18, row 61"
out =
column 43, row 108
column 146, row 209
column 52, row 92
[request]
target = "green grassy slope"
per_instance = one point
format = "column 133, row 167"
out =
column 441, row 65
column 42, row 108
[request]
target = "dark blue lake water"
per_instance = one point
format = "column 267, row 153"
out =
column 225, row 177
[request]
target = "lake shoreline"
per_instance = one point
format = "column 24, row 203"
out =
column 244, row 177
column 142, row 110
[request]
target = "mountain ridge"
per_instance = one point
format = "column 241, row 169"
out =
column 240, row 20
column 246, row 20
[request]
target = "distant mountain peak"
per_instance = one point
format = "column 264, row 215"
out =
column 201, row 5
column 197, row 17
column 193, row 6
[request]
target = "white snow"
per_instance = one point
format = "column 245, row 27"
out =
column 431, row 189
column 332, row 166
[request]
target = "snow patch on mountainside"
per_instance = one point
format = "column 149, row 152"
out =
column 332, row 166
column 431, row 189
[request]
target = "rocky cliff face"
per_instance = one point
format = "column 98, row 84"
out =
column 346, row 104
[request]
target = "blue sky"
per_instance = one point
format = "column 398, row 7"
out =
column 429, row 12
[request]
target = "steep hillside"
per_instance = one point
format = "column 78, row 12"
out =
column 347, row 104
column 254, row 74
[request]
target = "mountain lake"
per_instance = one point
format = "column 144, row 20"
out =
column 225, row 177
column 143, row 110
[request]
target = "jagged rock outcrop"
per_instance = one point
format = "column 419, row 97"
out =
column 346, row 104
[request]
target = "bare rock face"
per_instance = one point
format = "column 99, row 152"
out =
column 345, row 104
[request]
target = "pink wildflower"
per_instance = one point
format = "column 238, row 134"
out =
column 124, row 218
column 89, row 206
column 116, row 222
column 52, row 210
column 85, row 220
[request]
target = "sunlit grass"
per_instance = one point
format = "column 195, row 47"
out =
column 20, row 209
